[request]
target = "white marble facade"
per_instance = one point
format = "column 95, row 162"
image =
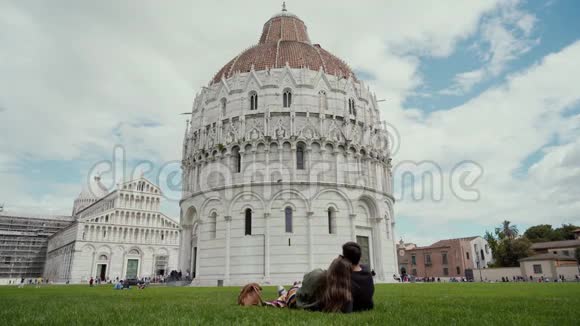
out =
column 273, row 187
column 119, row 235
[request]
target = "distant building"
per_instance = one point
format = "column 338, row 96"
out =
column 23, row 243
column 564, row 248
column 118, row 234
column 444, row 258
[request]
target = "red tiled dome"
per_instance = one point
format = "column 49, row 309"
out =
column 285, row 40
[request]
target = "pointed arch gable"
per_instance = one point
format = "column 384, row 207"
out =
column 253, row 78
column 287, row 72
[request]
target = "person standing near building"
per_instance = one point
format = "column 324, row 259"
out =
column 21, row 285
column 91, row 281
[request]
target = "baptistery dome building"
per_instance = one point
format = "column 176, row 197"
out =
column 284, row 160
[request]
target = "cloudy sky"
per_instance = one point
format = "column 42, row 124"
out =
column 493, row 83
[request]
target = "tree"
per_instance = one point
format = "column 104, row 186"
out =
column 507, row 231
column 540, row 233
column 566, row 232
column 506, row 248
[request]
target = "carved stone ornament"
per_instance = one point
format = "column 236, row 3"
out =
column 280, row 131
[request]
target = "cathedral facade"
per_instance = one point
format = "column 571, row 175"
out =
column 119, row 234
column 284, row 160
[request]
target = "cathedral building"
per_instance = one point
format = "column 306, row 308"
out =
column 118, row 234
column 284, row 160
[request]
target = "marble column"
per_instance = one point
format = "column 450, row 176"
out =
column 352, row 218
column 309, row 217
column 228, row 240
column 267, row 246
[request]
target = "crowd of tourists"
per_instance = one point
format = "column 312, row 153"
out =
column 346, row 286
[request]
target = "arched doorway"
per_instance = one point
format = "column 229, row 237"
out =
column 187, row 245
column 194, row 252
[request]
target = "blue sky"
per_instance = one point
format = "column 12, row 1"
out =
column 493, row 82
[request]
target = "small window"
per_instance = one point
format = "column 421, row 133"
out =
column 300, row 157
column 444, row 258
column 565, row 252
column 445, row 271
column 253, row 101
column 537, row 269
column 351, row 107
column 287, row 98
column 458, row 270
column 248, row 222
column 288, row 218
column 212, row 225
column 237, row 158
column 427, row 259
column 331, row 221
column 223, row 103
column 467, row 255
column 413, row 260
column 482, row 255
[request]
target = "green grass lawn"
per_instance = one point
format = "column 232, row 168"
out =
column 395, row 304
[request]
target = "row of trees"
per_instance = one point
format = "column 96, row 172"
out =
column 508, row 247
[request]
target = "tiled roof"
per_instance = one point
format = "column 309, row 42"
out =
column 556, row 244
column 548, row 256
column 284, row 41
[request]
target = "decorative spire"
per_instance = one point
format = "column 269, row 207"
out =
column 284, row 6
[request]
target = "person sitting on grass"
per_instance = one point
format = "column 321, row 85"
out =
column 363, row 287
column 328, row 291
column 320, row 290
column 119, row 285
column 337, row 296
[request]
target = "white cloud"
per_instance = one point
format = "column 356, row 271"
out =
column 498, row 130
column 505, row 36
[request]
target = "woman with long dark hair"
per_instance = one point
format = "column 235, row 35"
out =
column 337, row 296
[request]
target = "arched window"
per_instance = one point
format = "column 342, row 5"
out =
column 458, row 270
column 287, row 98
column 351, row 107
column 248, row 223
column 300, row 157
column 288, row 218
column 103, row 257
column 322, row 100
column 223, row 103
column 253, row 100
column 212, row 225
column 237, row 160
column 331, row 220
